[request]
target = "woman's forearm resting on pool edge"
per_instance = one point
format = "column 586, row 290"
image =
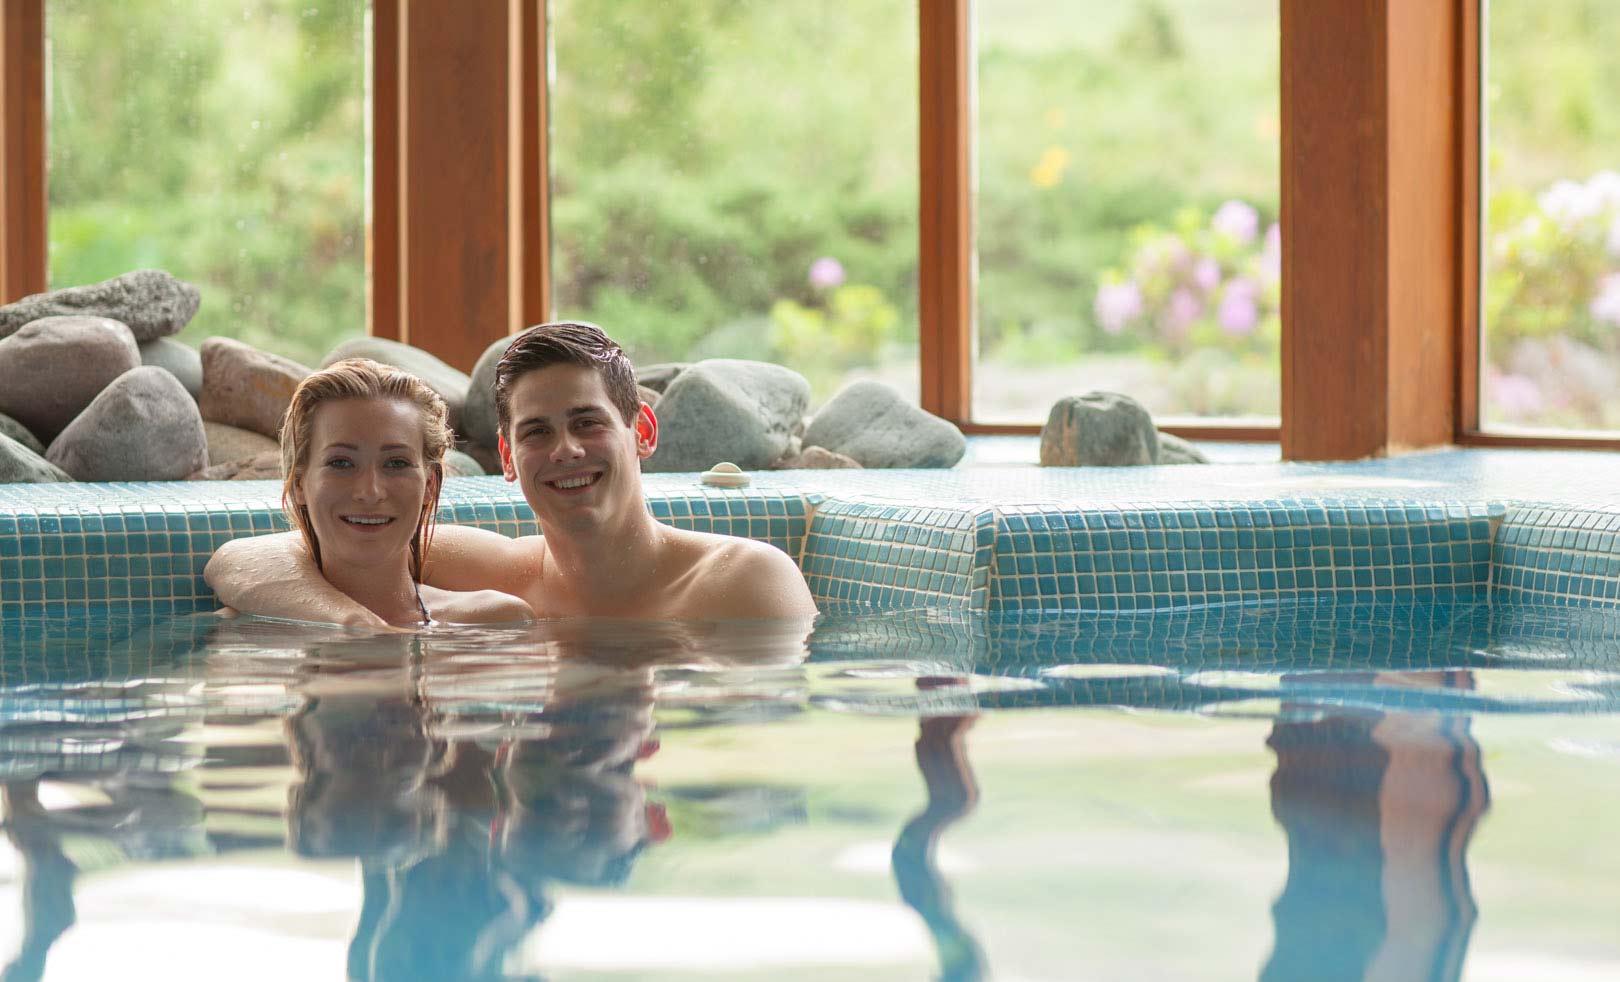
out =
column 274, row 576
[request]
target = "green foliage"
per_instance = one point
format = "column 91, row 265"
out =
column 706, row 152
column 223, row 143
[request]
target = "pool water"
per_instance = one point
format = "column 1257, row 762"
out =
column 1277, row 792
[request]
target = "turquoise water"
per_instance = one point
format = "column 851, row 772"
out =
column 1283, row 792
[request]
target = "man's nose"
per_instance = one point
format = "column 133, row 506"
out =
column 567, row 448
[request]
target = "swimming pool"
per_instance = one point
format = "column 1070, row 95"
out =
column 1299, row 790
column 1286, row 721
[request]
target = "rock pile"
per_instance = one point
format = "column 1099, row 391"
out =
column 93, row 388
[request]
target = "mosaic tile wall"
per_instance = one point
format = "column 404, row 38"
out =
column 929, row 539
column 1556, row 555
column 884, row 555
column 1133, row 557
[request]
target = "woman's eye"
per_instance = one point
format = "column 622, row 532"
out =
column 339, row 463
column 399, row 463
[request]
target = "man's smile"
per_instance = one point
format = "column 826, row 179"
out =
column 575, row 483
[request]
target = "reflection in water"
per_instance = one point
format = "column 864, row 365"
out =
column 952, row 793
column 474, row 776
column 1379, row 809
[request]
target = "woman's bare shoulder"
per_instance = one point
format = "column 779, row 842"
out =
column 474, row 606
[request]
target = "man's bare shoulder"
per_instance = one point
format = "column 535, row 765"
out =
column 737, row 578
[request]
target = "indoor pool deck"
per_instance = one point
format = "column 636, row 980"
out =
column 994, row 534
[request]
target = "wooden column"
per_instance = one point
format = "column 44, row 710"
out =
column 945, row 216
column 22, row 150
column 456, row 257
column 1371, row 193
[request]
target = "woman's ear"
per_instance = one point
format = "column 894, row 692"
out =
column 646, row 431
column 298, row 490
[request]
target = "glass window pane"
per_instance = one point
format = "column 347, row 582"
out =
column 739, row 179
column 1127, row 206
column 1550, row 243
column 223, row 142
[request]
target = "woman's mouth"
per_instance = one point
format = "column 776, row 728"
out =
column 367, row 522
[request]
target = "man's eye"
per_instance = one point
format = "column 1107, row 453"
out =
column 588, row 423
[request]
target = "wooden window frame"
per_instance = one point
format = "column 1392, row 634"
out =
column 1380, row 182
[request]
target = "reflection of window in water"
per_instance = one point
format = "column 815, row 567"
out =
column 1378, row 809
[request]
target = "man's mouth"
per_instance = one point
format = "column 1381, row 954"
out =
column 574, row 483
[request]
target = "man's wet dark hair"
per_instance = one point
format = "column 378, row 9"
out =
column 566, row 343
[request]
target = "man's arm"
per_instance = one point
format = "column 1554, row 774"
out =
column 464, row 558
column 275, row 576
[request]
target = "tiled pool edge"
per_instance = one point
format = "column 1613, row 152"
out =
column 145, row 546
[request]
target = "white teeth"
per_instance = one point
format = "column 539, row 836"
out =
column 367, row 521
column 575, row 482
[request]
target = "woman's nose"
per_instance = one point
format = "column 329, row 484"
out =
column 368, row 484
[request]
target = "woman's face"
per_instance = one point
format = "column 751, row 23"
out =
column 364, row 480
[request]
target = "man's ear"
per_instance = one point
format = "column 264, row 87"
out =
column 646, row 432
column 507, row 466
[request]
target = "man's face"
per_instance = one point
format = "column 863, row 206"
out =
column 577, row 461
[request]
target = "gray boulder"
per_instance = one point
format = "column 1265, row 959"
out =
column 658, row 377
column 872, row 424
column 722, row 409
column 478, row 422
column 487, row 458
column 228, row 443
column 20, row 433
column 1174, row 450
column 1098, row 429
column 19, row 464
column 815, row 459
column 259, row 467
column 54, row 366
column 458, row 464
column 181, row 360
column 246, row 387
column 151, row 302
column 142, row 427
column 450, row 384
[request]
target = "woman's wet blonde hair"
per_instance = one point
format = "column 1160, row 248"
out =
column 361, row 378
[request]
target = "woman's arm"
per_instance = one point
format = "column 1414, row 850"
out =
column 275, row 576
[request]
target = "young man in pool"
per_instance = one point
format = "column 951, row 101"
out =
column 573, row 434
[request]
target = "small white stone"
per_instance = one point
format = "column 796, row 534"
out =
column 725, row 475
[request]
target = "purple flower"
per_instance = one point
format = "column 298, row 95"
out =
column 1239, row 312
column 1117, row 304
column 1183, row 309
column 1162, row 254
column 1237, row 220
column 1514, row 396
column 1571, row 203
column 1606, row 305
column 1271, row 255
column 826, row 273
column 1207, row 274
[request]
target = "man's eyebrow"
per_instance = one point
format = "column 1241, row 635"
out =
column 575, row 411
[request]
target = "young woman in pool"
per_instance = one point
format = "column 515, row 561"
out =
column 362, row 451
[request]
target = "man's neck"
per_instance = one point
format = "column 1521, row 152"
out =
column 603, row 565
